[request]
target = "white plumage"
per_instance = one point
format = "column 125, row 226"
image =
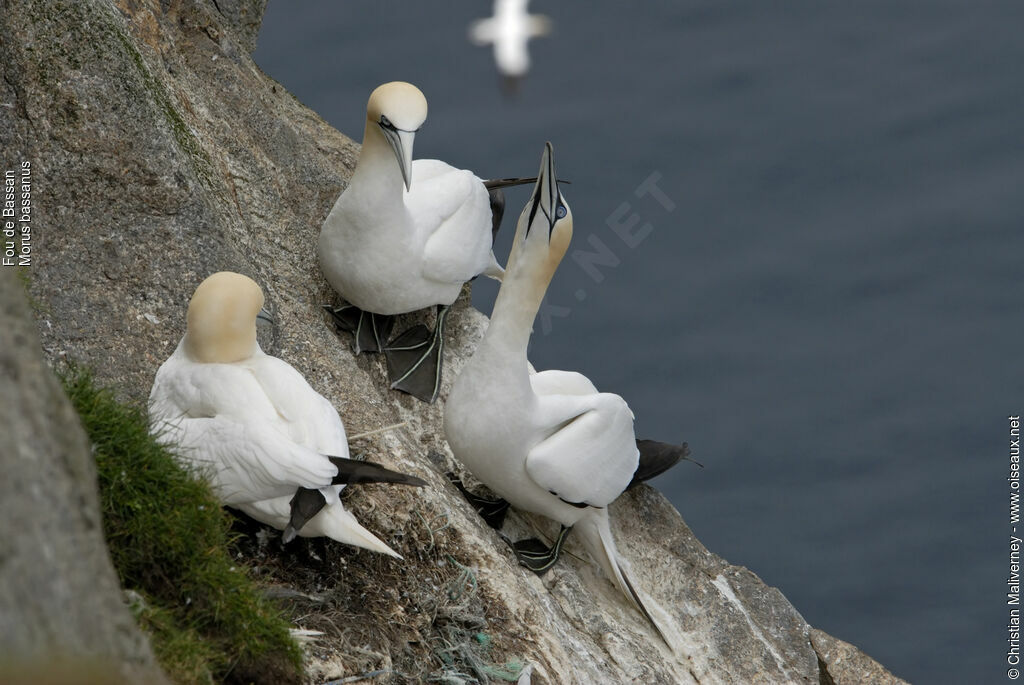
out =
column 547, row 442
column 390, row 249
column 509, row 30
column 249, row 422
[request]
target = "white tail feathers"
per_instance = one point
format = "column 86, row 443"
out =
column 596, row 534
column 339, row 524
column 333, row 521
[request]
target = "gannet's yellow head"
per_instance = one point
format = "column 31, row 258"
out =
column 399, row 109
column 221, row 321
column 545, row 226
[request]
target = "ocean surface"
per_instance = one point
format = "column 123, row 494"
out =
column 820, row 283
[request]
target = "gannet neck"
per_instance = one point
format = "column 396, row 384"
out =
column 394, row 112
column 542, row 238
column 378, row 171
column 221, row 320
column 514, row 312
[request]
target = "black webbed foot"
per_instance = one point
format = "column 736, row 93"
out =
column 538, row 557
column 492, row 511
column 369, row 331
column 415, row 358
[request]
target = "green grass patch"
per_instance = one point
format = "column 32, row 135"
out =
column 170, row 540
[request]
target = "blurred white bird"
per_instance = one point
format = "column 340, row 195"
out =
column 269, row 444
column 509, row 30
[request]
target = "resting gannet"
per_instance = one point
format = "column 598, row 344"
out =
column 269, row 444
column 546, row 442
column 509, row 30
column 390, row 247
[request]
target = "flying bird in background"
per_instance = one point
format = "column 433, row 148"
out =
column 509, row 30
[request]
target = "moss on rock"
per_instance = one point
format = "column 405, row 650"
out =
column 169, row 540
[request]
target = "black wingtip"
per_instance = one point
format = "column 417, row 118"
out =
column 496, row 183
column 352, row 472
column 306, row 504
column 656, row 458
column 497, row 200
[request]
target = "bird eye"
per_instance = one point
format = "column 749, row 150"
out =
column 560, row 212
column 384, row 121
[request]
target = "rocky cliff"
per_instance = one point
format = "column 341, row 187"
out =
column 159, row 153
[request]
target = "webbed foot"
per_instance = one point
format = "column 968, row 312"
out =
column 369, row 331
column 538, row 557
column 414, row 359
column 492, row 511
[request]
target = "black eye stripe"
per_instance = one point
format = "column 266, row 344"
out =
column 533, row 212
column 386, row 123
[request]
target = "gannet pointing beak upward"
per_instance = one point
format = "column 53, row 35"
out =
column 549, row 443
column 269, row 444
column 405, row 236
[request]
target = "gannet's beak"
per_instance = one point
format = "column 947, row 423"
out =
column 545, row 199
column 401, row 143
column 265, row 316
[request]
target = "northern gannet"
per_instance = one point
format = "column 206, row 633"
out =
column 546, row 442
column 509, row 30
column 269, row 444
column 391, row 246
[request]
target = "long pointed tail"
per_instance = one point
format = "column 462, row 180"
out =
column 596, row 534
column 338, row 523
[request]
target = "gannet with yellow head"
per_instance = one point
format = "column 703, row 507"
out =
column 546, row 442
column 269, row 444
column 405, row 235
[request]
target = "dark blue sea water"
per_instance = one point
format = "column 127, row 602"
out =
column 827, row 303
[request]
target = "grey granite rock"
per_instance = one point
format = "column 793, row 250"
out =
column 161, row 153
column 59, row 594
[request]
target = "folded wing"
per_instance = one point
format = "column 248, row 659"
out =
column 590, row 453
column 226, row 426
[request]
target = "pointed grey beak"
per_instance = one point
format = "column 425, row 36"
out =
column 545, row 198
column 265, row 316
column 401, row 144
